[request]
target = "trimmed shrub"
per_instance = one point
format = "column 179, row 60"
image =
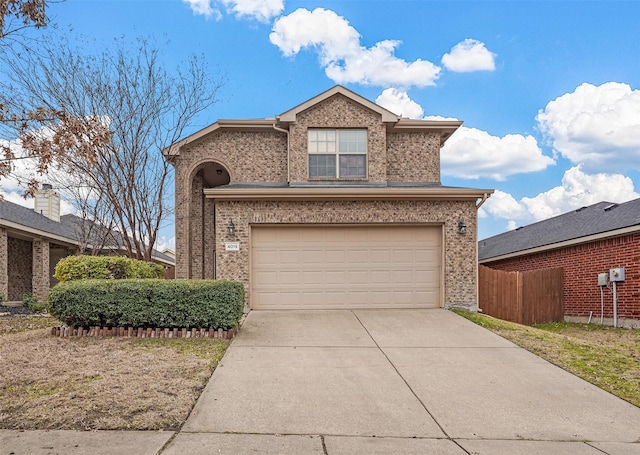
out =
column 148, row 303
column 105, row 267
column 31, row 301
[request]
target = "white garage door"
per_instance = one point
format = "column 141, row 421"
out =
column 330, row 267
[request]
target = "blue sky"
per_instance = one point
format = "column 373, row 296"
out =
column 549, row 91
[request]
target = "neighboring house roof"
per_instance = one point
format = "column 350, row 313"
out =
column 601, row 220
column 20, row 218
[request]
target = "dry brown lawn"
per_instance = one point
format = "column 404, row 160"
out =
column 98, row 383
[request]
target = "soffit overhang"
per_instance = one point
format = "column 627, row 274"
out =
column 342, row 194
column 445, row 127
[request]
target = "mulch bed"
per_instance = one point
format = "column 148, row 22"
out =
column 13, row 310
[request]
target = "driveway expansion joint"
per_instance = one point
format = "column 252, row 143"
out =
column 401, row 377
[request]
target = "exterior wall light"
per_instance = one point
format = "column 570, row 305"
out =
column 462, row 228
column 231, row 229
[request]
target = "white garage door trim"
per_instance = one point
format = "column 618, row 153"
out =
column 316, row 266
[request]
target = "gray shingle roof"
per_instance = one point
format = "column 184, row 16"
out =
column 66, row 228
column 595, row 219
column 28, row 217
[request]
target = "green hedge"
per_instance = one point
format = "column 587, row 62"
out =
column 105, row 267
column 148, row 303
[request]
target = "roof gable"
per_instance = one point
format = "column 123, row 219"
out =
column 393, row 122
column 290, row 115
column 597, row 219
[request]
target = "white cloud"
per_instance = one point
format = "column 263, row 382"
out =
column 472, row 153
column 503, row 205
column 164, row 243
column 577, row 189
column 260, row 10
column 204, row 8
column 468, row 56
column 345, row 60
column 16, row 198
column 13, row 186
column 595, row 125
column 398, row 102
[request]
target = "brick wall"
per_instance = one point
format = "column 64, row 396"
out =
column 41, row 282
column 4, row 263
column 20, row 268
column 248, row 157
column 582, row 264
column 339, row 112
column 413, row 157
column 459, row 266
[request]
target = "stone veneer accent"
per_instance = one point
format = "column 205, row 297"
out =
column 459, row 265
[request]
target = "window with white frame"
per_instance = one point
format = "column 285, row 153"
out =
column 337, row 153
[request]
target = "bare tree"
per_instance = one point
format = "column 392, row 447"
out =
column 30, row 126
column 94, row 225
column 127, row 89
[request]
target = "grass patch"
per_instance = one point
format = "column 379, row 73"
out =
column 21, row 323
column 606, row 357
column 84, row 383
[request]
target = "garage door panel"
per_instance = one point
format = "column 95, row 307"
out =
column 334, row 256
column 345, row 267
column 336, row 277
column 379, row 256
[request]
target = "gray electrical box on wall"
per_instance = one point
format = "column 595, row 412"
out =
column 616, row 274
column 603, row 279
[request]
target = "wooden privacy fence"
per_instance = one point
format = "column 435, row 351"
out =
column 533, row 297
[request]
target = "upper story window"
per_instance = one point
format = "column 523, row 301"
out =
column 337, row 153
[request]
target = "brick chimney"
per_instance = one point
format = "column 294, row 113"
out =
column 47, row 202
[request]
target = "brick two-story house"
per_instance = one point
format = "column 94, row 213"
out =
column 336, row 203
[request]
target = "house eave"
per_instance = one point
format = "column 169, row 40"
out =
column 36, row 233
column 445, row 127
column 564, row 244
column 333, row 194
column 255, row 125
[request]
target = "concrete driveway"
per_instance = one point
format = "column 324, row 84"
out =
column 396, row 381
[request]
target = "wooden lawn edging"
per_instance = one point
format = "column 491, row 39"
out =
column 143, row 332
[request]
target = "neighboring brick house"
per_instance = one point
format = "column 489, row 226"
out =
column 336, row 203
column 585, row 242
column 33, row 241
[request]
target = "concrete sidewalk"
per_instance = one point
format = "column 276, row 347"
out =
column 375, row 382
